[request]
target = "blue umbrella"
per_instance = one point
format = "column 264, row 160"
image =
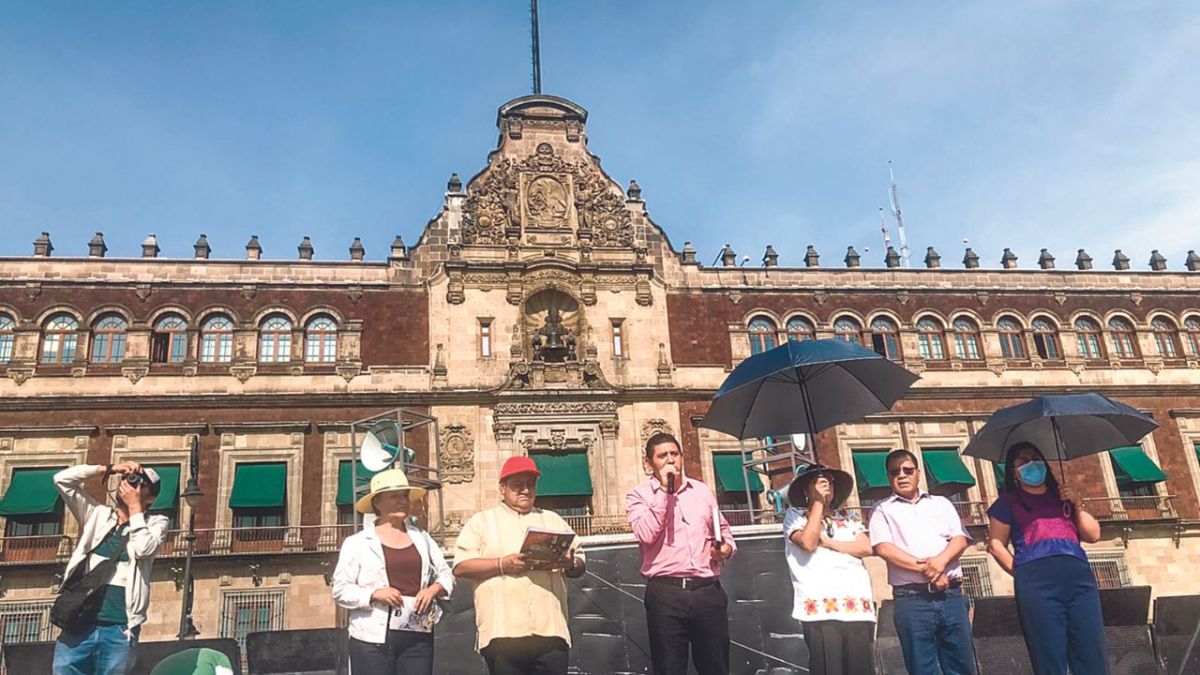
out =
column 804, row 387
column 1062, row 427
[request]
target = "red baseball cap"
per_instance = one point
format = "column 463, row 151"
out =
column 518, row 464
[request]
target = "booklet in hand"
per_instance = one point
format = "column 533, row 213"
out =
column 544, row 547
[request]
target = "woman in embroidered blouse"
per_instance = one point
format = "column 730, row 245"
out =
column 389, row 576
column 832, row 590
column 1057, row 598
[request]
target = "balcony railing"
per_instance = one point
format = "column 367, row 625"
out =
column 1152, row 507
column 55, row 548
column 254, row 540
column 586, row 526
column 972, row 513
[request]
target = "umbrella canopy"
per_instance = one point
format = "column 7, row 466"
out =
column 804, row 387
column 1062, row 427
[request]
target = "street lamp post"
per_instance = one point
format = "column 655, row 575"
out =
column 191, row 495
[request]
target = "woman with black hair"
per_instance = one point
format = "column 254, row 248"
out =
column 1057, row 598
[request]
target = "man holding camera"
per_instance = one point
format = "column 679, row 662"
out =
column 100, row 631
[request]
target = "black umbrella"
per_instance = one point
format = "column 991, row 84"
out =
column 1062, row 427
column 804, row 387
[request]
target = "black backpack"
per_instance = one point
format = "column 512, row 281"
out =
column 82, row 593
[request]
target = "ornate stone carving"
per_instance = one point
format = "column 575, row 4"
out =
column 504, row 430
column 242, row 373
column 546, row 203
column 33, row 289
column 655, row 426
column 558, row 408
column 20, row 375
column 558, row 439
column 457, row 463
column 135, row 374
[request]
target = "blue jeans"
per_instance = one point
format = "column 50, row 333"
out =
column 934, row 631
column 1059, row 607
column 100, row 650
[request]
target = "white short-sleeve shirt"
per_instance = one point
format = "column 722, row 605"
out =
column 828, row 585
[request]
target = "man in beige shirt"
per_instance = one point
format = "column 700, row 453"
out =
column 520, row 611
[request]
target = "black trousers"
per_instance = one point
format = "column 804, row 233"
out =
column 677, row 619
column 840, row 647
column 532, row 655
column 404, row 653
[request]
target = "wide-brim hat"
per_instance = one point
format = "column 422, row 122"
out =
column 843, row 483
column 392, row 480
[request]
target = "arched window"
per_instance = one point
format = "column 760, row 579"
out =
column 885, row 338
column 1166, row 337
column 7, row 326
column 275, row 340
column 169, row 343
column 59, row 339
column 762, row 334
column 216, row 339
column 1087, row 332
column 930, row 339
column 1192, row 326
column 966, row 339
column 1124, row 340
column 1012, row 339
column 1045, row 339
column 800, row 329
column 108, row 339
column 848, row 329
column 320, row 340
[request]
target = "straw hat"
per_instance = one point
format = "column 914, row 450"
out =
column 392, row 480
column 842, row 484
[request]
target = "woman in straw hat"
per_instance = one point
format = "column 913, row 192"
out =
column 389, row 577
column 832, row 591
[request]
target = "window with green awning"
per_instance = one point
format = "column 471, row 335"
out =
column 168, row 491
column 346, row 487
column 870, row 470
column 998, row 469
column 31, row 492
column 1131, row 465
column 945, row 469
column 565, row 475
column 730, row 476
column 259, row 485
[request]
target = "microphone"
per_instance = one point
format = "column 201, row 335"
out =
column 671, row 483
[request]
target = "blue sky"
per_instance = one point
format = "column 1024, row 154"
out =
column 1026, row 124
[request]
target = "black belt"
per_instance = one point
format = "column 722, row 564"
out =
column 926, row 588
column 686, row 583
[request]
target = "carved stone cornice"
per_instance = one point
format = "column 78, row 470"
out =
column 542, row 408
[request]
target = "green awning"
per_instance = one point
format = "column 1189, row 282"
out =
column 946, row 468
column 998, row 469
column 730, row 474
column 31, row 492
column 168, row 493
column 345, row 490
column 565, row 475
column 1132, row 465
column 870, row 470
column 259, row 485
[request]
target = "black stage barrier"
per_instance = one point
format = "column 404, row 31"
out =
column 1176, row 620
column 996, row 629
column 889, row 657
column 1127, row 630
column 608, row 621
column 318, row 651
column 30, row 657
column 150, row 653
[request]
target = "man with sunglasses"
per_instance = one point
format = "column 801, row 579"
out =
column 921, row 538
column 520, row 607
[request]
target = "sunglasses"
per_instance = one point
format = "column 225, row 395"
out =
column 906, row 470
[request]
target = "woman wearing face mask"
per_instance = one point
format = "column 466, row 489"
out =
column 1057, row 599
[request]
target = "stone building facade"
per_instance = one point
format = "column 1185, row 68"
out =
column 542, row 311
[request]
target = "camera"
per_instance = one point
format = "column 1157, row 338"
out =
column 137, row 479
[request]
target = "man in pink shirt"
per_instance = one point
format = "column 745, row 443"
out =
column 672, row 518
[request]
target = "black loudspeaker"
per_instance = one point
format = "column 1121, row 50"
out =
column 1126, row 630
column 30, row 657
column 999, row 645
column 889, row 657
column 150, row 653
column 1176, row 620
column 320, row 651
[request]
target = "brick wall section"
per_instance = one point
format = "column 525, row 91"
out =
column 310, row 501
column 699, row 335
column 689, row 433
column 1172, row 455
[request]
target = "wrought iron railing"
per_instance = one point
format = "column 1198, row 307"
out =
column 972, row 513
column 254, row 540
column 55, row 548
column 1150, row 507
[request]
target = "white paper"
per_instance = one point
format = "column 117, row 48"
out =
column 404, row 618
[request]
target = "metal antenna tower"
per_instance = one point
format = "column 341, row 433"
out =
column 537, row 58
column 895, row 193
